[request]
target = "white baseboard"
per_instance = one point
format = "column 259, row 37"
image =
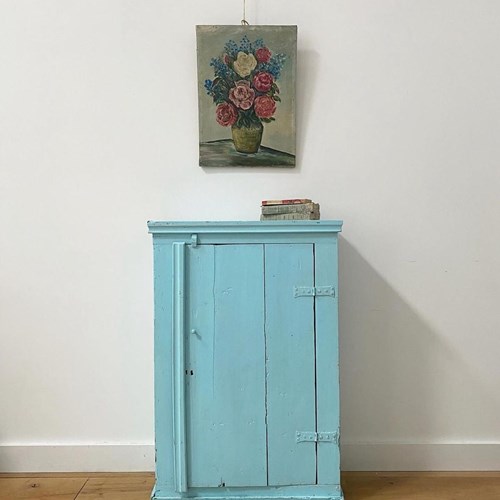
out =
column 74, row 458
column 421, row 457
column 355, row 457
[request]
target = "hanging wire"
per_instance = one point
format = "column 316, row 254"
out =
column 244, row 21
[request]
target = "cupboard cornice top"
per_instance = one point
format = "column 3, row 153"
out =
column 245, row 227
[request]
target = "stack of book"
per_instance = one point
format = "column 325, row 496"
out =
column 295, row 209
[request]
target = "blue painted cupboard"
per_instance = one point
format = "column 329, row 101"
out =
column 246, row 360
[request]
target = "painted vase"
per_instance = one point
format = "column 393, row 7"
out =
column 247, row 139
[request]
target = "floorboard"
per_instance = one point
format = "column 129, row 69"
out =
column 46, row 488
column 356, row 485
column 118, row 488
column 421, row 486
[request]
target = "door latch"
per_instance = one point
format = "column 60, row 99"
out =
column 314, row 291
column 317, row 437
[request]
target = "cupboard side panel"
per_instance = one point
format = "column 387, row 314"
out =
column 290, row 364
column 163, row 356
column 327, row 361
column 227, row 390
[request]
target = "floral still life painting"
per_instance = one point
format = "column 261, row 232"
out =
column 246, row 88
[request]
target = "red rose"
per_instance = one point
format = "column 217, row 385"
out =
column 265, row 106
column 226, row 114
column 263, row 55
column 263, row 81
column 242, row 95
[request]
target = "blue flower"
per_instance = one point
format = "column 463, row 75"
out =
column 231, row 48
column 220, row 68
column 258, row 44
column 245, row 45
column 275, row 65
column 209, row 84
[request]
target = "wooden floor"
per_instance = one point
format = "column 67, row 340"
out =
column 357, row 486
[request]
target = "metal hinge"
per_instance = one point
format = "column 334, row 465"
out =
column 317, row 437
column 313, row 291
column 194, row 240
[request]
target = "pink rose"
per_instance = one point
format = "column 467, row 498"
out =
column 265, row 106
column 263, row 81
column 263, row 55
column 226, row 114
column 242, row 95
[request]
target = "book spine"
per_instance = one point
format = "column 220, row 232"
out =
column 288, row 209
column 296, row 216
column 292, row 201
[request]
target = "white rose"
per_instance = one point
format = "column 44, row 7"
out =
column 244, row 64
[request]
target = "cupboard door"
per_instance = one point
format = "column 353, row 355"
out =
column 290, row 355
column 225, row 366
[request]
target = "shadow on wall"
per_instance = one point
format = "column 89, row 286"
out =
column 307, row 70
column 394, row 369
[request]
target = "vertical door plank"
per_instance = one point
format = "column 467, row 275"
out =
column 227, row 355
column 327, row 359
column 199, row 361
column 291, row 405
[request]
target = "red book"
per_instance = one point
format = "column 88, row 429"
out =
column 293, row 201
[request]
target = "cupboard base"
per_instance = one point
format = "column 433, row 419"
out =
column 332, row 492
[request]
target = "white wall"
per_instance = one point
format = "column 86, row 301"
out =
column 398, row 134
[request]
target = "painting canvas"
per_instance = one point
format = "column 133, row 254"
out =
column 246, row 89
